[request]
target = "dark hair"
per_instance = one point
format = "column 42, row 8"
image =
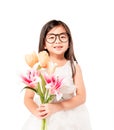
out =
column 69, row 54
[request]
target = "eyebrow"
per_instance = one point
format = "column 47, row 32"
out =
column 57, row 33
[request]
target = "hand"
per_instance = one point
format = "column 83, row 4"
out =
column 46, row 110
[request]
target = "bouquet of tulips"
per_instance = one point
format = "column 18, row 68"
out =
column 41, row 79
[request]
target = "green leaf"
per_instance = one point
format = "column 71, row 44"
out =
column 27, row 87
column 42, row 99
column 51, row 97
column 43, row 82
column 39, row 67
column 39, row 91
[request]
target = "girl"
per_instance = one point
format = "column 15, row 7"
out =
column 70, row 113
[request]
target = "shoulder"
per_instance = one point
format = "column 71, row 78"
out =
column 78, row 70
column 78, row 77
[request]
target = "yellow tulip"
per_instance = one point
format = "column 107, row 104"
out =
column 43, row 59
column 31, row 59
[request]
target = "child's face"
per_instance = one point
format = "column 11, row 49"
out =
column 57, row 41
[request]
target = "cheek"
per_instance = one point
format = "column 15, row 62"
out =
column 66, row 49
column 47, row 46
column 67, row 46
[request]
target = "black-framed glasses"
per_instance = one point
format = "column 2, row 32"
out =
column 51, row 37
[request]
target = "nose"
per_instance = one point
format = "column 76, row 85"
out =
column 57, row 39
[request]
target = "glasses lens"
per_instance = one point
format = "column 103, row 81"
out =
column 63, row 37
column 51, row 38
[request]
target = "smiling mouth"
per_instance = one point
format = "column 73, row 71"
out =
column 58, row 47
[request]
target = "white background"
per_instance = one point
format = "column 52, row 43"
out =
column 92, row 26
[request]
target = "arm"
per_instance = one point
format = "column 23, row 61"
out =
column 80, row 92
column 29, row 102
column 36, row 110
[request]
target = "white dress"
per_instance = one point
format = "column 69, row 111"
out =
column 74, row 119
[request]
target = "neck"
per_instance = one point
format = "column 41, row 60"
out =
column 59, row 60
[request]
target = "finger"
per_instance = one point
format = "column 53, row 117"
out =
column 42, row 105
column 44, row 117
column 43, row 113
column 41, row 109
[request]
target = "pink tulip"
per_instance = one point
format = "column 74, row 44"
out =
column 53, row 84
column 31, row 77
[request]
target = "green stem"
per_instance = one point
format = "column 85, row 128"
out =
column 46, row 96
column 44, row 124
